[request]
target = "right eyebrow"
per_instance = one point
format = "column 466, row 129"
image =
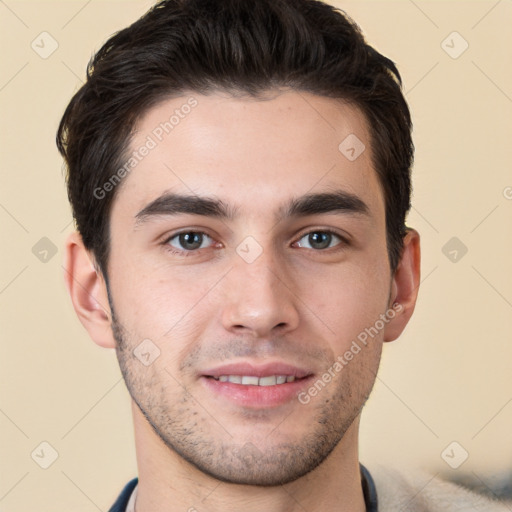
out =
column 174, row 204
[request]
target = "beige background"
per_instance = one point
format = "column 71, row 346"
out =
column 447, row 379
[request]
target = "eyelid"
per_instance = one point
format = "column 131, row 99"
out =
column 164, row 242
column 345, row 238
column 205, row 236
column 168, row 236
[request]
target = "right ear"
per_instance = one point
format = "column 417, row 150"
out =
column 88, row 292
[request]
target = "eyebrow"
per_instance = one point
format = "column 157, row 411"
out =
column 169, row 204
column 338, row 201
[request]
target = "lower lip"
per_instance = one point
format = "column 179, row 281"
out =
column 257, row 396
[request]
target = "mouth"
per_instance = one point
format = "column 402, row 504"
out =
column 256, row 386
column 253, row 380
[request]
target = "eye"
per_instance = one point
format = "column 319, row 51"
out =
column 319, row 240
column 189, row 241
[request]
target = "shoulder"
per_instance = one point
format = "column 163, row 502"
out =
column 419, row 491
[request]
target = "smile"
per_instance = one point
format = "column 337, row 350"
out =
column 252, row 380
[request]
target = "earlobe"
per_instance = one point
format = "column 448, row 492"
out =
column 404, row 286
column 88, row 292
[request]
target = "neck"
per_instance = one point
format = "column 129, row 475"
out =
column 169, row 483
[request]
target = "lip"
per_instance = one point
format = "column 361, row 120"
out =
column 245, row 368
column 256, row 397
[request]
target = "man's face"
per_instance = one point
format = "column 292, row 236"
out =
column 266, row 291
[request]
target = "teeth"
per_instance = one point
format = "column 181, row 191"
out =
column 251, row 380
column 268, row 381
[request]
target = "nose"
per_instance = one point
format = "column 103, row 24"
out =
column 259, row 298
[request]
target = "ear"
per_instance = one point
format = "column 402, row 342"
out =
column 88, row 292
column 404, row 286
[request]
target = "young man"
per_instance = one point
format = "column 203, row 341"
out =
column 239, row 173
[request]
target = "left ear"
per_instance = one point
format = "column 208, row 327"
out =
column 404, row 286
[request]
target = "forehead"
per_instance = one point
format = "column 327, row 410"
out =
column 251, row 152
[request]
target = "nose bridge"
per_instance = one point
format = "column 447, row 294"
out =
column 258, row 298
column 261, row 277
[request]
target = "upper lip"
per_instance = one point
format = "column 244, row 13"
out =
column 257, row 370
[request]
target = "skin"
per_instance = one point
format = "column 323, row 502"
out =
column 295, row 302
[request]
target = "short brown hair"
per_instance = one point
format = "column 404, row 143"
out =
column 247, row 46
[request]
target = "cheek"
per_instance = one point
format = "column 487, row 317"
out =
column 161, row 302
column 348, row 300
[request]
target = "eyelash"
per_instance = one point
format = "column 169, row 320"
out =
column 344, row 242
column 184, row 253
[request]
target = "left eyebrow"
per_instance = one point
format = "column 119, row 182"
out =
column 337, row 201
column 169, row 204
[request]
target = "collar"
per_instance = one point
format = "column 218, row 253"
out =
column 369, row 490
